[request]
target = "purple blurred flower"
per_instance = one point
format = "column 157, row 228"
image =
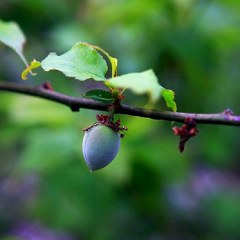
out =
column 202, row 184
column 31, row 231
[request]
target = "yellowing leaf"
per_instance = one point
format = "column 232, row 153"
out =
column 140, row 83
column 113, row 61
column 82, row 62
column 34, row 64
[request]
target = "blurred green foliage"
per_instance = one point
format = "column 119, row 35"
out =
column 150, row 191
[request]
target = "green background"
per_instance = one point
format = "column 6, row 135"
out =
column 151, row 190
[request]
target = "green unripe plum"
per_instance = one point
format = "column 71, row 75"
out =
column 100, row 146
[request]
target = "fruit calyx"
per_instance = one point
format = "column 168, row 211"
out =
column 107, row 120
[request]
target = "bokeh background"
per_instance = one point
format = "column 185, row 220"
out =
column 150, row 191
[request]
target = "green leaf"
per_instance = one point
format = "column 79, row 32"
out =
column 100, row 96
column 168, row 96
column 140, row 83
column 12, row 36
column 82, row 62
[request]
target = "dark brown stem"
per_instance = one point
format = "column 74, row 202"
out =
column 224, row 118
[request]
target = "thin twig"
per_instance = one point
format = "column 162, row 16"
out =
column 224, row 118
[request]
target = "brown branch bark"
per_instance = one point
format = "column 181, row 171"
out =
column 224, row 118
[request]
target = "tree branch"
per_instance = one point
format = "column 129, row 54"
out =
column 224, row 118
